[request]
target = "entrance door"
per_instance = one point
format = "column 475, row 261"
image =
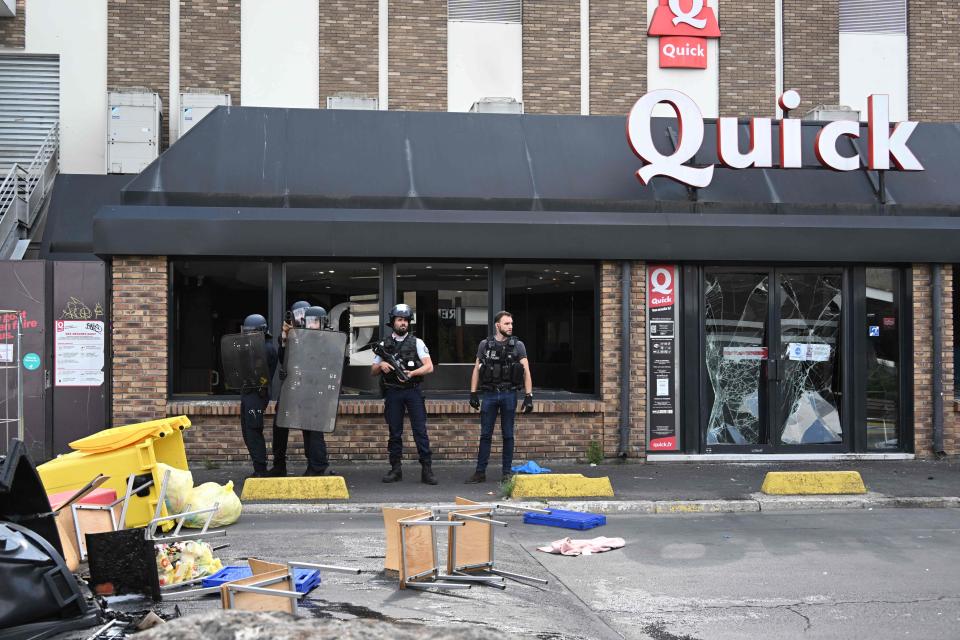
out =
column 771, row 360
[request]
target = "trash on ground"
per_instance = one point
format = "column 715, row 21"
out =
column 179, row 562
column 579, row 520
column 569, row 547
column 529, row 467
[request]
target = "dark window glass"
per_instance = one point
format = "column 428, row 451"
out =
column 350, row 292
column 553, row 313
column 450, row 315
column 211, row 299
column 883, row 359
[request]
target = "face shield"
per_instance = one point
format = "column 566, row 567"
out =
column 298, row 316
column 313, row 322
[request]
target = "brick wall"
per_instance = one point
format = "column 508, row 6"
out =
column 747, row 60
column 13, row 30
column 551, row 56
column 610, row 352
column 139, row 338
column 618, row 55
column 418, row 55
column 554, row 431
column 934, row 43
column 210, row 46
column 138, row 49
column 923, row 363
column 811, row 51
column 638, row 361
column 348, row 48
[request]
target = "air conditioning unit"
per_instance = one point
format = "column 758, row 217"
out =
column 352, row 101
column 497, row 105
column 194, row 105
column 832, row 113
column 134, row 121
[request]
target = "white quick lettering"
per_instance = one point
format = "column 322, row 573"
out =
column 640, row 137
column 884, row 144
column 672, row 51
column 728, row 144
column 688, row 17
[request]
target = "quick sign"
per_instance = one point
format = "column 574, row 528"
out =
column 683, row 27
column 663, row 418
column 887, row 147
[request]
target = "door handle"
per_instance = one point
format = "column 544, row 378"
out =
column 773, row 369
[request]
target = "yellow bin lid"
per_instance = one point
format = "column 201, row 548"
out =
column 120, row 437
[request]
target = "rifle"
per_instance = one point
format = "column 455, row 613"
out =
column 391, row 360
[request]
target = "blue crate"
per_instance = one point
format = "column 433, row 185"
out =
column 566, row 519
column 304, row 579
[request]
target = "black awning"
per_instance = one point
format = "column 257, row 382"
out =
column 68, row 232
column 375, row 233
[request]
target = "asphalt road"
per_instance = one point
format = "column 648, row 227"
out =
column 890, row 573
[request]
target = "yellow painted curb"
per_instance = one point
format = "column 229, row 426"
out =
column 797, row 483
column 295, row 488
column 561, row 485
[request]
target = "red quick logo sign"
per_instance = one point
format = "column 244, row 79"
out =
column 661, row 287
column 683, row 27
column 887, row 147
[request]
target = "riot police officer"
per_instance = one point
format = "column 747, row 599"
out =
column 302, row 315
column 500, row 370
column 253, row 400
column 401, row 391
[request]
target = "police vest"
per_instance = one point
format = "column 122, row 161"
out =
column 405, row 352
column 500, row 367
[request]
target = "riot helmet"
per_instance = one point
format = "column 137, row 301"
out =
column 401, row 311
column 253, row 323
column 315, row 317
column 298, row 312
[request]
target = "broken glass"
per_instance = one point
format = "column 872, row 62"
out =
column 735, row 306
column 810, row 306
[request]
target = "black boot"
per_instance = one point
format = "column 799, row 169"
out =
column 395, row 474
column 278, row 470
column 426, row 474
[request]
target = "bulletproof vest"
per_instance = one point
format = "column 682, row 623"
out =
column 406, row 353
column 500, row 367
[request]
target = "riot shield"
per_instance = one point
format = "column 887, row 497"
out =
column 244, row 360
column 311, row 390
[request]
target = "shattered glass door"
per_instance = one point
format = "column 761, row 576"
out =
column 736, row 324
column 809, row 379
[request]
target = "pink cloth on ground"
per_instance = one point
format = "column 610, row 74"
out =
column 568, row 547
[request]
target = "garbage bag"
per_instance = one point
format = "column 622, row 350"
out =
column 208, row 494
column 182, row 561
column 179, row 486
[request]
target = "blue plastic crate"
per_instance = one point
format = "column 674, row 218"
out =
column 566, row 519
column 304, row 579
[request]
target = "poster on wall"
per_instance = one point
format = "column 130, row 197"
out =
column 78, row 353
column 663, row 416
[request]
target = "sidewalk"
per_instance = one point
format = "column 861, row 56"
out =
column 638, row 488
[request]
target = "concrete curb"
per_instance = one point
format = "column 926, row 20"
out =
column 757, row 503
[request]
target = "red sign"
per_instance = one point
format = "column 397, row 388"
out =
column 683, row 27
column 661, row 286
column 664, row 444
column 685, row 52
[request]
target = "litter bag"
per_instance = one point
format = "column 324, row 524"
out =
column 208, row 494
column 179, row 487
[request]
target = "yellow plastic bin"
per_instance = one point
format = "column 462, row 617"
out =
column 119, row 452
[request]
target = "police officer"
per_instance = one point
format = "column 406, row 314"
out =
column 501, row 368
column 302, row 315
column 253, row 400
column 399, row 396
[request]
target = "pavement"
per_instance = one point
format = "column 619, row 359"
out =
column 638, row 487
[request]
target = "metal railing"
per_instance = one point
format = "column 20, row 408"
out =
column 24, row 190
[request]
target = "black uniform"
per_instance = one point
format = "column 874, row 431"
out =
column 253, row 402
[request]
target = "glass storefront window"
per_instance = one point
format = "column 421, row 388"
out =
column 883, row 359
column 350, row 292
column 211, row 299
column 449, row 301
column 553, row 313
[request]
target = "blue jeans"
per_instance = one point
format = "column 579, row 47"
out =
column 396, row 402
column 492, row 402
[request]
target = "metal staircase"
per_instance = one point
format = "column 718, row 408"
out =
column 23, row 194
